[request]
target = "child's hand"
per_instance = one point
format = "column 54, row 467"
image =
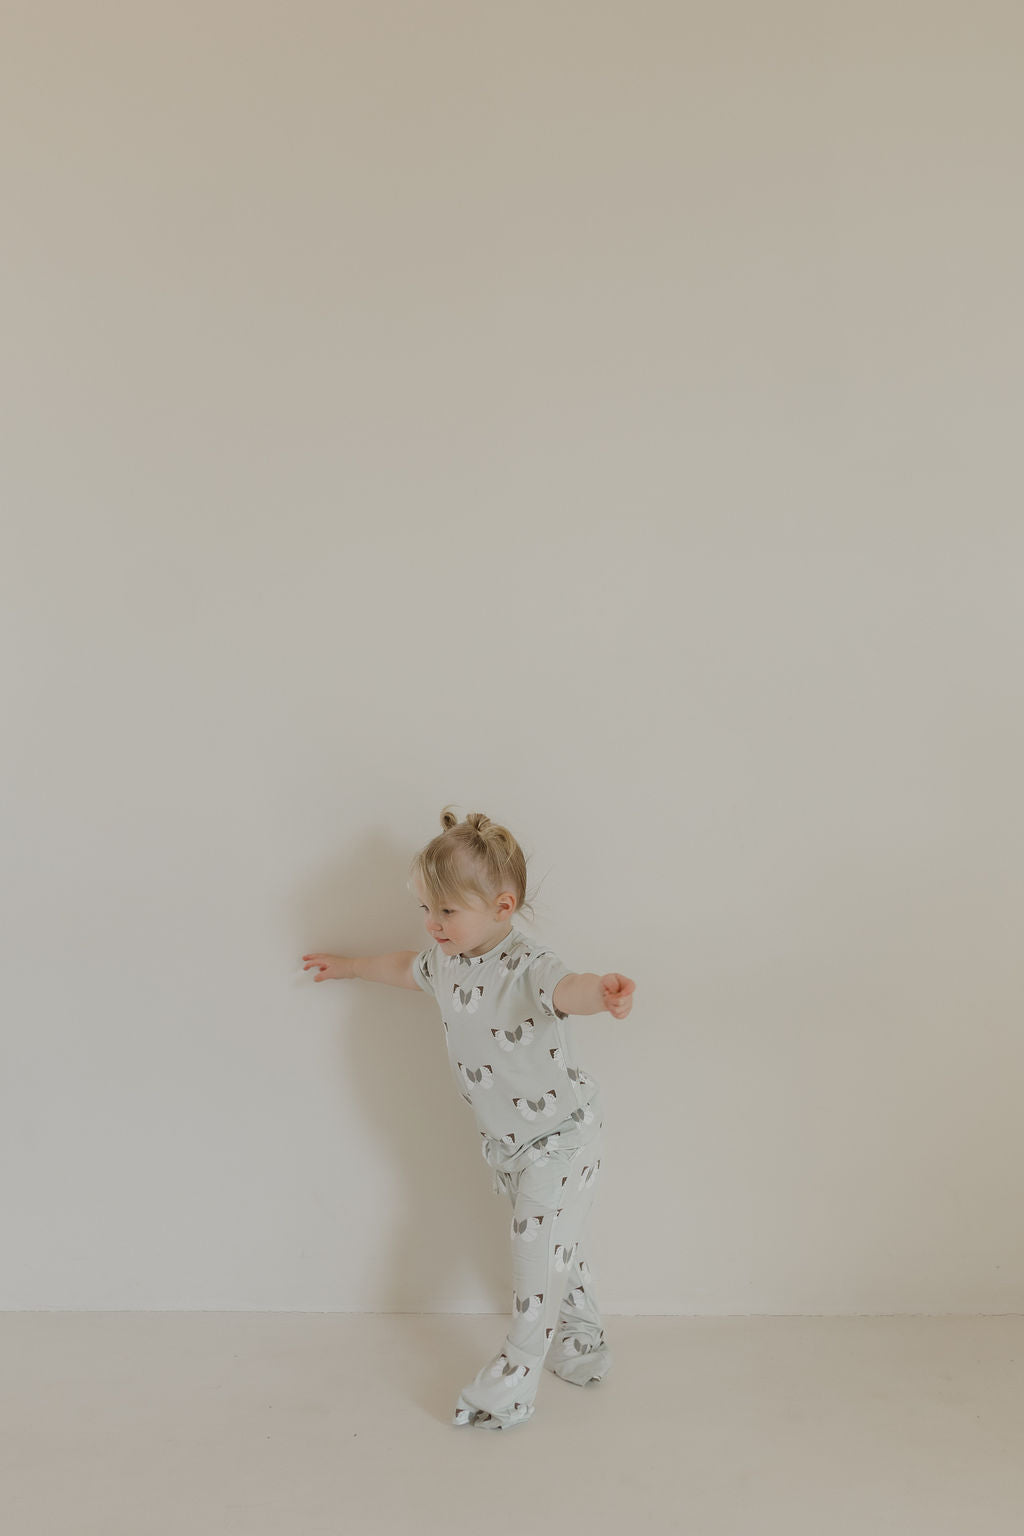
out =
column 331, row 967
column 617, row 994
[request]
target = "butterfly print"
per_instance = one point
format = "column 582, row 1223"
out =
column 512, row 959
column 468, row 1000
column 556, row 1057
column 477, row 1416
column 564, row 1256
column 589, row 1173
column 574, row 1298
column 528, row 1229
column 504, row 1367
column 508, row 1039
column 542, row 1146
column 530, row 1308
column 583, row 1116
column 531, row 1108
column 483, row 1075
column 549, row 1008
column 576, row 1075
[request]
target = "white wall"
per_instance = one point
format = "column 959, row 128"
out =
column 607, row 418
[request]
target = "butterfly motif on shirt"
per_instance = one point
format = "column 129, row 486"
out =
column 583, row 1116
column 512, row 959
column 589, row 1173
column 508, row 1039
column 483, row 1076
column 468, row 1000
column 528, row 1230
column 531, row 1108
column 549, row 1008
column 530, row 1307
column 573, row 1298
column 503, row 1367
column 577, row 1075
column 542, row 1146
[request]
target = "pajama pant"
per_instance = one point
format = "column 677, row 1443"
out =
column 555, row 1320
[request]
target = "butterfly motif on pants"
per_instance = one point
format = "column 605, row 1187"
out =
column 478, row 1416
column 508, row 1039
column 574, row 1298
column 528, row 1229
column 531, row 1108
column 564, row 1256
column 466, row 999
column 530, row 1307
column 504, row 1367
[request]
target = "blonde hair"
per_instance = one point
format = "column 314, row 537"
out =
column 471, row 858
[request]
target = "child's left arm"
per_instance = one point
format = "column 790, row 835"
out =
column 585, row 992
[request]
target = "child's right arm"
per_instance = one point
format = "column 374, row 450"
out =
column 395, row 970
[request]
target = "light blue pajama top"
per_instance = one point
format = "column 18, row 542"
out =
column 510, row 1048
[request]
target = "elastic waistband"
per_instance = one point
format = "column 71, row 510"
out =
column 571, row 1136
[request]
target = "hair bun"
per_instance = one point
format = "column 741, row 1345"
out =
column 475, row 858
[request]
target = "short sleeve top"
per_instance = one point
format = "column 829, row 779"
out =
column 509, row 1046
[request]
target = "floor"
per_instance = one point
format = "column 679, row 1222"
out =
column 297, row 1424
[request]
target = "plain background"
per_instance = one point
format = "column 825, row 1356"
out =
column 606, row 417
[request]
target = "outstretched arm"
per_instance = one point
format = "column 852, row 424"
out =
column 586, row 992
column 395, row 970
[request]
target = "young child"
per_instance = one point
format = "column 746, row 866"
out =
column 504, row 1000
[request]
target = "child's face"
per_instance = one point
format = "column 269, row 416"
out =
column 462, row 929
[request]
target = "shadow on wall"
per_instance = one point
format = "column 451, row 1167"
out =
column 438, row 1235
